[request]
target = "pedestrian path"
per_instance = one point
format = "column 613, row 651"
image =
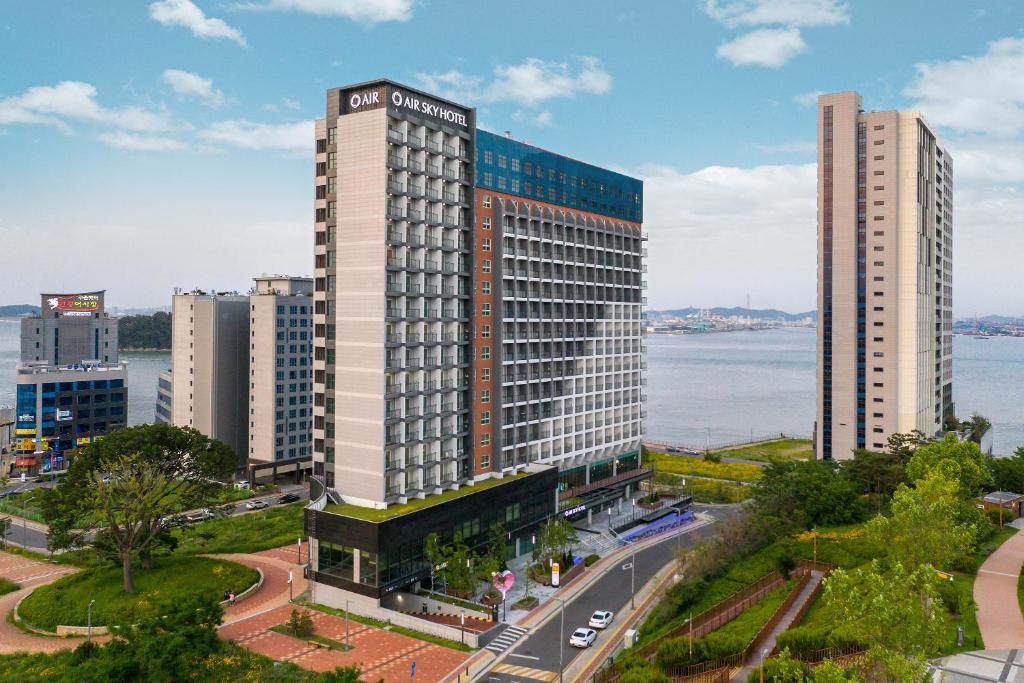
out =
column 784, row 623
column 506, row 639
column 526, row 672
column 28, row 574
column 995, row 592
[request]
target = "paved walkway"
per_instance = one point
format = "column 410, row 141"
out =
column 381, row 654
column 995, row 666
column 28, row 574
column 995, row 592
column 275, row 564
column 784, row 623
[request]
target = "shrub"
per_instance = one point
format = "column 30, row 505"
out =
column 299, row 624
column 804, row 641
column 953, row 598
column 785, row 563
column 675, row 652
column 7, row 586
column 637, row 670
column 591, row 559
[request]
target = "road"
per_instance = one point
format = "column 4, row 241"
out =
column 35, row 539
column 540, row 649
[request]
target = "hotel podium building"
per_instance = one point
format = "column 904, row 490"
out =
column 478, row 350
column 885, row 277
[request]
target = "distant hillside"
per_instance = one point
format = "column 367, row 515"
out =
column 18, row 310
column 761, row 313
column 144, row 331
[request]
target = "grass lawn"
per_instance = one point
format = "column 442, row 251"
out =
column 23, row 505
column 705, row 490
column 795, row 449
column 418, row 635
column 684, row 464
column 375, row 515
column 7, row 586
column 65, row 601
column 247, row 533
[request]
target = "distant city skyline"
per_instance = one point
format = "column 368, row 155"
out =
column 179, row 155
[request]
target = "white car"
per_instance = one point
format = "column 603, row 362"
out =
column 601, row 619
column 583, row 637
column 256, row 505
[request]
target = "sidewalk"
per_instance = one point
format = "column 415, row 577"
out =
column 995, row 592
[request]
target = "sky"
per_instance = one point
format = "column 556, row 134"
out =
column 152, row 145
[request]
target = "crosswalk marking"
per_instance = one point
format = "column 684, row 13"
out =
column 525, row 672
column 506, row 639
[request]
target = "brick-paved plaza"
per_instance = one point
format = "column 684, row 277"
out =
column 380, row 653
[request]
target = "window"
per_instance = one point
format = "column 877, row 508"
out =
column 485, row 374
column 485, row 331
column 879, row 187
column 486, row 267
column 485, row 243
column 502, row 183
column 488, row 157
column 332, row 184
column 488, row 179
column 485, row 440
column 485, row 417
column 487, row 201
column 332, row 160
column 879, row 172
column 502, row 161
column 485, row 396
column 879, row 157
column 485, row 460
column 332, row 136
column 515, row 185
column 485, row 287
column 487, row 222
column 485, row 353
column 485, row 309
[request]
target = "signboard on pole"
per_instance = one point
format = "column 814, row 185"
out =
column 554, row 574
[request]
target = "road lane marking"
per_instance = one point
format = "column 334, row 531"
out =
column 525, row 656
column 525, row 672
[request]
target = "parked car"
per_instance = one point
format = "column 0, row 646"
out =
column 673, row 449
column 256, row 505
column 601, row 619
column 288, row 498
column 583, row 637
column 242, row 484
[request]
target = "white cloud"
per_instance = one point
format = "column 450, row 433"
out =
column 808, row 99
column 531, row 83
column 296, row 137
column 191, row 84
column 370, row 11
column 768, row 47
column 796, row 147
column 975, row 94
column 778, row 12
column 75, row 100
column 187, row 14
column 543, row 119
column 141, row 143
column 284, row 103
column 730, row 226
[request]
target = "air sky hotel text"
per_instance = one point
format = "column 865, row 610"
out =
column 478, row 339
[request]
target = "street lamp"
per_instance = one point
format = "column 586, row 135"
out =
column 88, row 632
column 561, row 640
column 814, row 531
column 707, row 446
column 632, row 580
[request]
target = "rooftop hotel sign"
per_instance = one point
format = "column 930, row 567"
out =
column 404, row 101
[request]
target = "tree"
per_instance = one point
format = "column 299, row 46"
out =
column 956, row 459
column 299, row 624
column 130, row 480
column 893, row 608
column 1008, row 473
column 902, row 446
column 807, row 494
column 926, row 525
column 875, row 473
column 555, row 541
column 976, row 427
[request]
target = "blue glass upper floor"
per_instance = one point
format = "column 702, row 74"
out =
column 513, row 167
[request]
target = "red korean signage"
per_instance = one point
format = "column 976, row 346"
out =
column 70, row 303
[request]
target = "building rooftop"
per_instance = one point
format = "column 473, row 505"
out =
column 392, row 511
column 1002, row 497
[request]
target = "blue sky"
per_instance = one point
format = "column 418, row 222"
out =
column 148, row 145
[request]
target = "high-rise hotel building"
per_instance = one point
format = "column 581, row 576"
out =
column 885, row 277
column 477, row 325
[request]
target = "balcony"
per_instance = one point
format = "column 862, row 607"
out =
column 395, row 136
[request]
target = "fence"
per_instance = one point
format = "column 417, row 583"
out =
column 728, row 609
column 718, row 445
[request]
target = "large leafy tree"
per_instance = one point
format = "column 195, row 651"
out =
column 929, row 523
column 956, row 459
column 903, row 445
column 128, row 482
column 1008, row 473
column 807, row 493
column 893, row 608
column 875, row 473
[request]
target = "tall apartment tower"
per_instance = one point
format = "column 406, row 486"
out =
column 280, row 368
column 210, row 366
column 477, row 320
column 885, row 277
